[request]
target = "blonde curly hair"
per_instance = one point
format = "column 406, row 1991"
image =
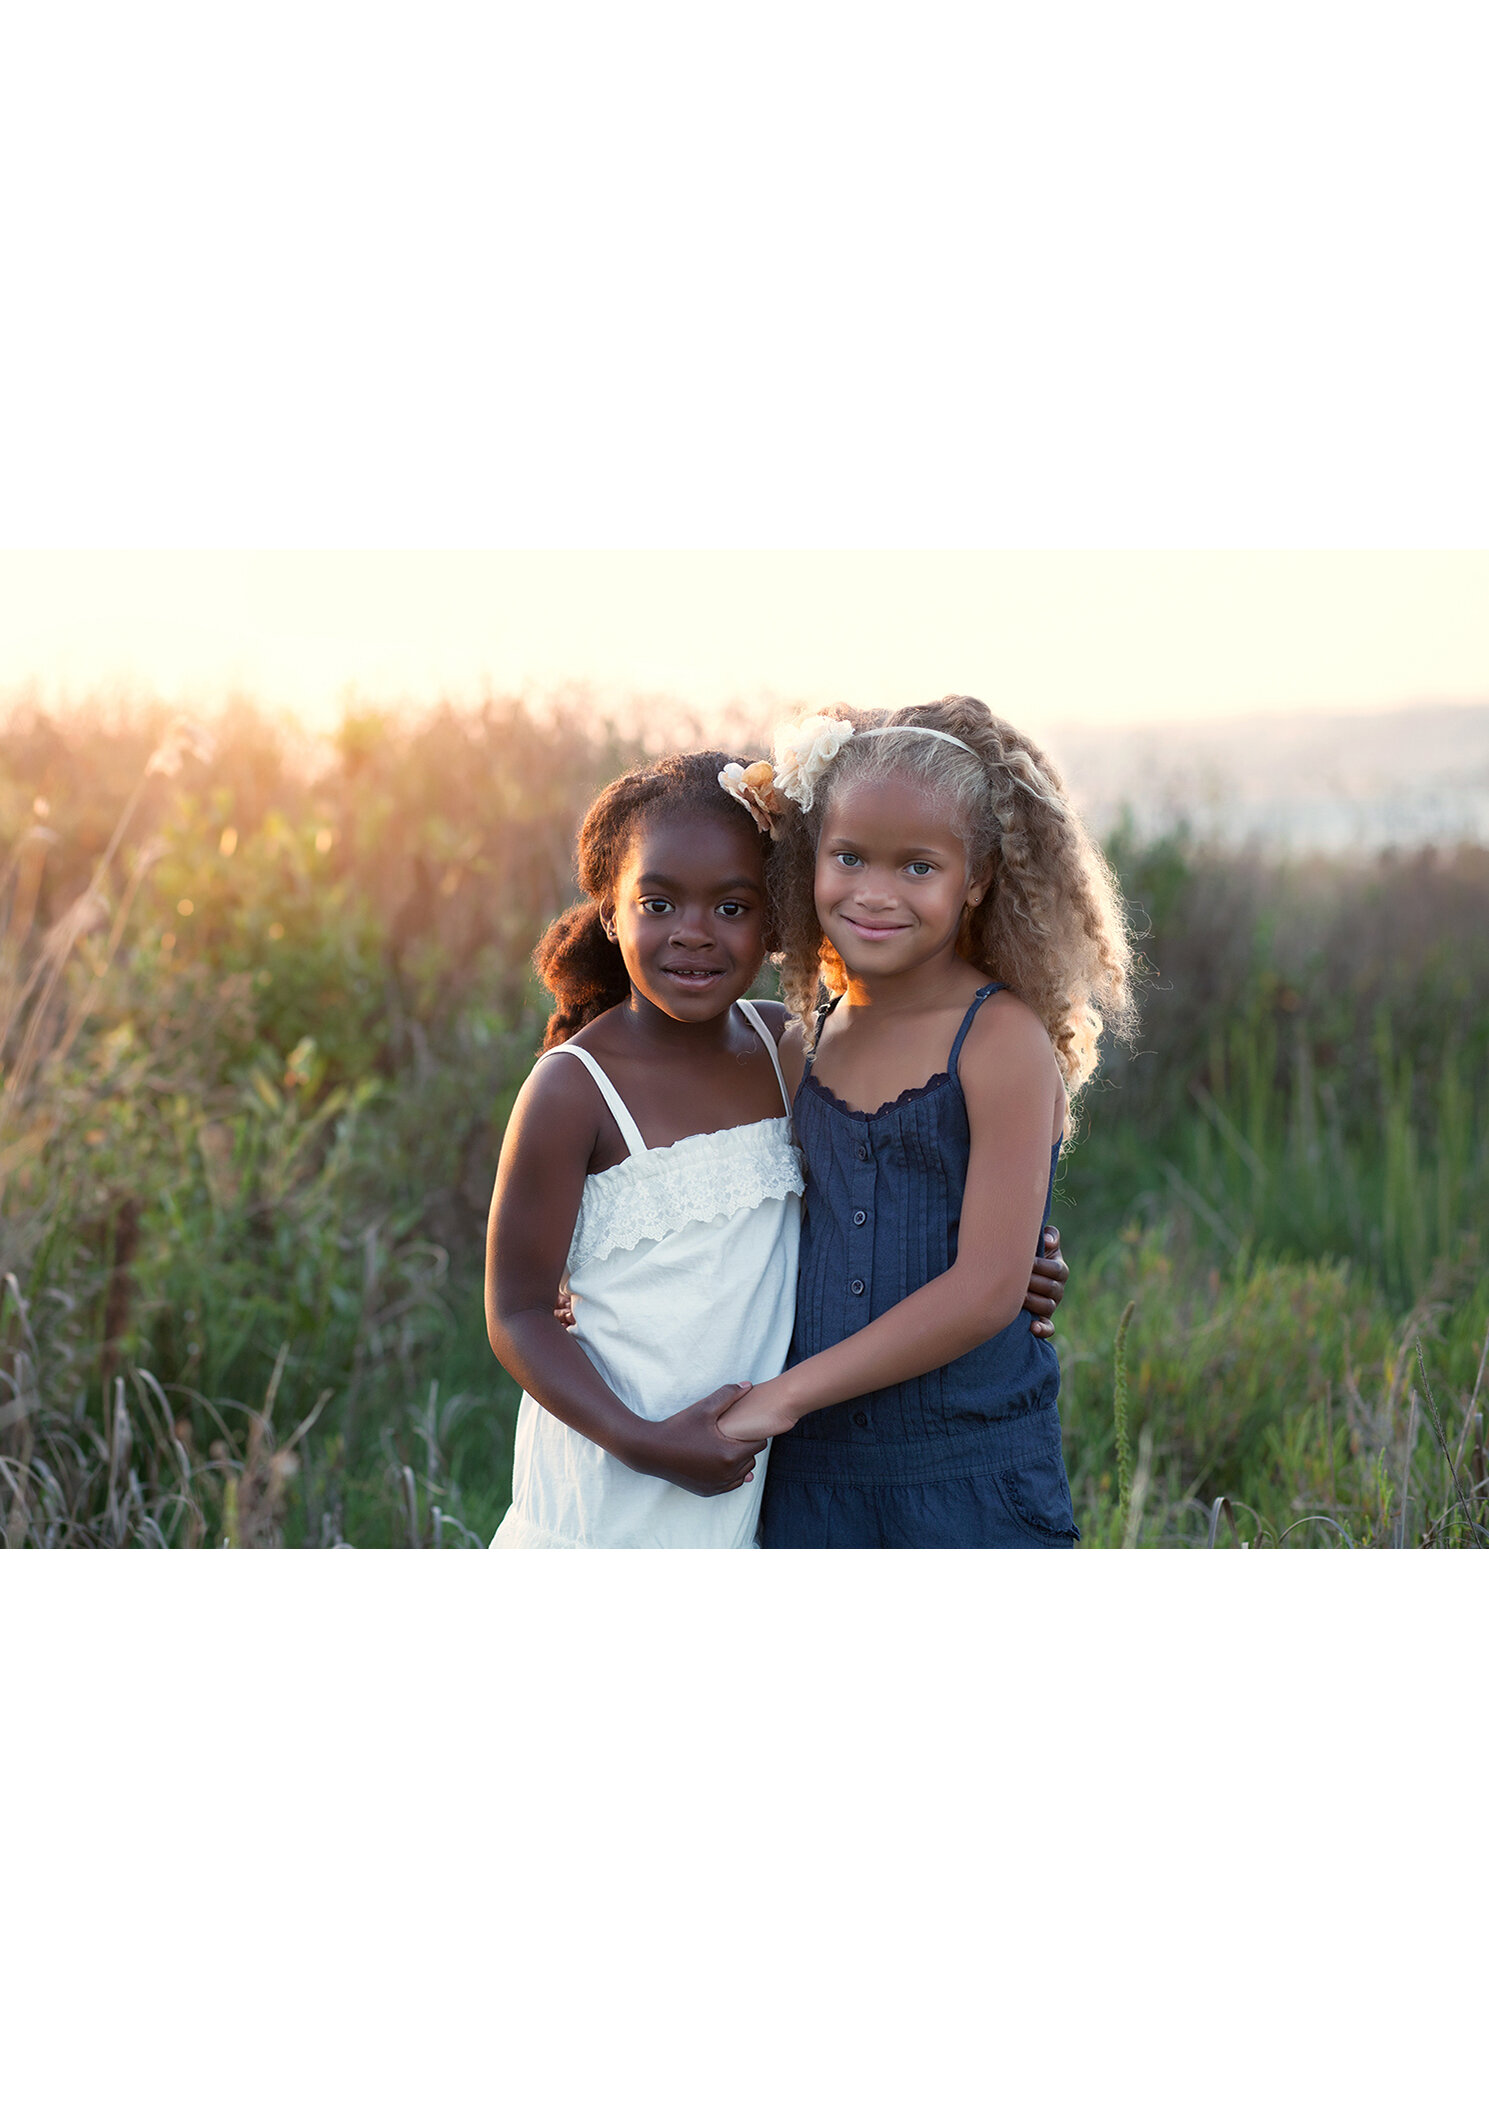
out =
column 1052, row 924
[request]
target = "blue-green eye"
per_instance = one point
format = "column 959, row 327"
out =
column 920, row 867
column 846, row 856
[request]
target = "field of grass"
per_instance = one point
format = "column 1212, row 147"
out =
column 263, row 1010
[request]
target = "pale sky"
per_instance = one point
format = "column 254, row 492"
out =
column 1048, row 636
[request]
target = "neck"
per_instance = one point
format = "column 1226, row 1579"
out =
column 654, row 1029
column 922, row 988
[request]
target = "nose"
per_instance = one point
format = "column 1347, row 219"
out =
column 691, row 927
column 874, row 891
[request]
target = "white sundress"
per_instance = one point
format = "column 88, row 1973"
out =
column 683, row 1272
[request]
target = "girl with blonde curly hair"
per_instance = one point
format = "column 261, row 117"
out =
column 936, row 881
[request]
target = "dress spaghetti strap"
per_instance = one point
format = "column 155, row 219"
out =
column 989, row 989
column 770, row 1048
column 635, row 1142
column 625, row 1122
column 822, row 1012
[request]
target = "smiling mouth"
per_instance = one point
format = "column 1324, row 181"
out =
column 695, row 978
column 874, row 930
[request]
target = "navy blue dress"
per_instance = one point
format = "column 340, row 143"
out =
column 965, row 1457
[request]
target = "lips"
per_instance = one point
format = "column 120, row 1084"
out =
column 874, row 930
column 693, row 977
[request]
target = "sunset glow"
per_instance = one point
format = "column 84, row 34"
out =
column 1109, row 637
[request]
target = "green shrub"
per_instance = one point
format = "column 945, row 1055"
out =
column 262, row 1017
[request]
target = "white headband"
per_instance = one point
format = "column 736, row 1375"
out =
column 802, row 752
column 919, row 731
column 928, row 731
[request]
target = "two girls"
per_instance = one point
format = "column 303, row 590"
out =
column 918, row 1407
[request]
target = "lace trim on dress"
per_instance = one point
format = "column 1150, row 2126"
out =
column 887, row 1107
column 659, row 1191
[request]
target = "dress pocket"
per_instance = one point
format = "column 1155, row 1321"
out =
column 1038, row 1495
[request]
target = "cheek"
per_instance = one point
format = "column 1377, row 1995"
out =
column 934, row 901
column 638, row 935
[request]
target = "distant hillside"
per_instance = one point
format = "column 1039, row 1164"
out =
column 1408, row 777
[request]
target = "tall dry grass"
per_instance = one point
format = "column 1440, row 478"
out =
column 263, row 1010
column 260, row 1019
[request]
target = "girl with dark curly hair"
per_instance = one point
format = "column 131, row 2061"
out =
column 649, row 1165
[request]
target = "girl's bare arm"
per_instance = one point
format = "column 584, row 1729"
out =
column 1012, row 1088
column 539, row 1182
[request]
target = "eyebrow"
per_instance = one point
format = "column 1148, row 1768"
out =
column 905, row 856
column 721, row 886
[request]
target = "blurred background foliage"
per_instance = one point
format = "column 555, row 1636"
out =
column 264, row 1006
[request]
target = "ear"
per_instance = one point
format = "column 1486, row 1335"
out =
column 607, row 920
column 977, row 888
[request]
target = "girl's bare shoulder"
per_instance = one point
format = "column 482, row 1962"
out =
column 557, row 1094
column 775, row 1015
column 1008, row 1034
column 1009, row 1071
column 786, row 1033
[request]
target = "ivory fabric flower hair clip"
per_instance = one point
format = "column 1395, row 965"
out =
column 803, row 750
column 755, row 788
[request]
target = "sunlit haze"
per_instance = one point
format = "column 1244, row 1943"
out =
column 1047, row 637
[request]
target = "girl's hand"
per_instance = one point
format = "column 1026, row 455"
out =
column 691, row 1450
column 760, row 1414
column 1047, row 1284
